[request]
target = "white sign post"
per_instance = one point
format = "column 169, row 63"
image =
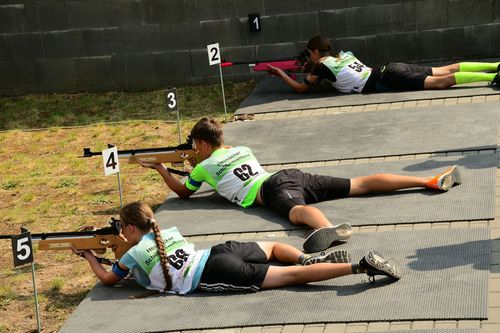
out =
column 171, row 97
column 214, row 59
column 112, row 166
column 23, row 254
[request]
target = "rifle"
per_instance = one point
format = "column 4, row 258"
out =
column 295, row 64
column 98, row 240
column 174, row 155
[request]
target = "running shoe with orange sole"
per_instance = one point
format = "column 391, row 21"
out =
column 445, row 180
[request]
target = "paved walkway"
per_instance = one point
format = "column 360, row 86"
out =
column 492, row 325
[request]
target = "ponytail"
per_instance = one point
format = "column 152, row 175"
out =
column 162, row 253
column 142, row 216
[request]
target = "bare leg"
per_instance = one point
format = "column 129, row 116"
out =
column 310, row 216
column 384, row 182
column 439, row 82
column 280, row 252
column 445, row 70
column 280, row 276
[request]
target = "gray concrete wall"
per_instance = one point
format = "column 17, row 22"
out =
column 101, row 45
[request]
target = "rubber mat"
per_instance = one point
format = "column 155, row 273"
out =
column 208, row 213
column 368, row 134
column 272, row 95
column 445, row 276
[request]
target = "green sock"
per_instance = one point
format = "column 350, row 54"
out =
column 478, row 66
column 467, row 77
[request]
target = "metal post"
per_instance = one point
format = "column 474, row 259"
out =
column 120, row 190
column 179, row 126
column 38, row 322
column 223, row 95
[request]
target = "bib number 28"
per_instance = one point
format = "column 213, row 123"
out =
column 244, row 172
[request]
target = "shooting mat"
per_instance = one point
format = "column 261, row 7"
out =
column 272, row 95
column 445, row 276
column 208, row 213
column 368, row 134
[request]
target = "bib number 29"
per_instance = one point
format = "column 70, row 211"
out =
column 244, row 172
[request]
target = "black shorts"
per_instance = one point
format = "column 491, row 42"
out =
column 401, row 77
column 234, row 266
column 291, row 187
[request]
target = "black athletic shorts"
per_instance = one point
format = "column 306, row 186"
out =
column 291, row 187
column 399, row 77
column 234, row 266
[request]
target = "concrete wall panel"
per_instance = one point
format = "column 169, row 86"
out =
column 21, row 46
column 116, row 38
column 63, row 44
column 86, row 14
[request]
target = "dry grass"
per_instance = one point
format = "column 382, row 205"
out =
column 45, row 186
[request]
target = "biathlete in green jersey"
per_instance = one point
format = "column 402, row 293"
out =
column 348, row 74
column 235, row 173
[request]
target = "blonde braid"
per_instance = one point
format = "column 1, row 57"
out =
column 162, row 253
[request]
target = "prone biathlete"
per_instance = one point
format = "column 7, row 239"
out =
column 235, row 173
column 348, row 74
column 163, row 260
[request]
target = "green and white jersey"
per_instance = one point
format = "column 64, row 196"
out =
column 233, row 172
column 185, row 263
column 351, row 74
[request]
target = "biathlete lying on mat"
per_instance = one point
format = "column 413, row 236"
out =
column 347, row 74
column 235, row 173
column 165, row 261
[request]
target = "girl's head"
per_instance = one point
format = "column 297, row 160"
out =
column 319, row 47
column 208, row 130
column 139, row 215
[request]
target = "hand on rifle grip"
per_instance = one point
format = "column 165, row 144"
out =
column 150, row 165
column 80, row 253
column 273, row 70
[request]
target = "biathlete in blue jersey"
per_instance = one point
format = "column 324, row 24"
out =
column 165, row 261
column 349, row 75
column 235, row 173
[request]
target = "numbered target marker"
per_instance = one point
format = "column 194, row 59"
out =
column 254, row 21
column 213, row 54
column 21, row 249
column 171, row 97
column 110, row 160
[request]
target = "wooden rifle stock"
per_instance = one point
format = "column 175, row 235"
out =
column 98, row 240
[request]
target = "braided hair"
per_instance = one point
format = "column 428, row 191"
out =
column 141, row 215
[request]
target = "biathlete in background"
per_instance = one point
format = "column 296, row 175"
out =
column 235, row 173
column 165, row 261
column 347, row 74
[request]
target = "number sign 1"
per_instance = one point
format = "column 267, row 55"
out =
column 254, row 21
column 171, row 97
column 213, row 54
column 21, row 249
column 110, row 160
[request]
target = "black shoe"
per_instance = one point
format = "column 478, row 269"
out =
column 496, row 79
column 337, row 256
column 376, row 264
column 321, row 239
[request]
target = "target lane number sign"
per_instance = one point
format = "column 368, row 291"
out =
column 110, row 160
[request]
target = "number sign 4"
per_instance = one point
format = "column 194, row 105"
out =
column 110, row 160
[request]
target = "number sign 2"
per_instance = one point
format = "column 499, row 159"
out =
column 21, row 249
column 110, row 160
column 254, row 21
column 171, row 97
column 213, row 54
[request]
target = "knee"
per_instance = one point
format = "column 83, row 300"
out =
column 296, row 213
